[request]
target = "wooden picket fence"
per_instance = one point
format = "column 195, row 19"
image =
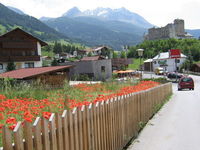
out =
column 107, row 125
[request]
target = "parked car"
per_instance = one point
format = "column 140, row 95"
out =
column 174, row 75
column 159, row 71
column 186, row 83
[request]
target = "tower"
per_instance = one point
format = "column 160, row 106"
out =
column 179, row 27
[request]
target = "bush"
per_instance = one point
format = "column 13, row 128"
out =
column 160, row 80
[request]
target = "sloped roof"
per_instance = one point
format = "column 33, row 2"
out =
column 31, row 72
column 99, row 48
column 26, row 33
column 148, row 60
column 197, row 64
column 165, row 55
column 92, row 58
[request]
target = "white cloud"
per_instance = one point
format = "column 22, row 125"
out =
column 158, row 12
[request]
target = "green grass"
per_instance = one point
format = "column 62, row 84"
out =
column 38, row 32
column 196, row 62
column 2, row 29
column 136, row 63
column 46, row 53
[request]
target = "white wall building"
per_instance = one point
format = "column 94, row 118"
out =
column 169, row 64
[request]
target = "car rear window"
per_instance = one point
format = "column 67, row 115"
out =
column 187, row 80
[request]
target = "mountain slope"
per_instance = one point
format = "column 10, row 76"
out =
column 194, row 32
column 10, row 19
column 120, row 14
column 116, row 26
column 16, row 10
column 97, row 32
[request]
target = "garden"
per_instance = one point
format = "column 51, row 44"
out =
column 26, row 102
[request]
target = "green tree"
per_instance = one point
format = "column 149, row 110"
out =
column 54, row 62
column 115, row 55
column 11, row 66
column 57, row 48
column 89, row 54
column 123, row 54
column 152, row 48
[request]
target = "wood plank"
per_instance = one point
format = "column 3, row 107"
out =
column 52, row 135
column 28, row 134
column 65, row 125
column 107, row 125
column 85, row 131
column 45, row 134
column 95, row 127
column 18, row 136
column 71, row 130
column 91, row 114
column 89, row 130
column 59, row 132
column 103, row 124
column 76, row 132
column 112, row 124
column 7, row 138
column 80, row 128
column 97, row 107
column 37, row 134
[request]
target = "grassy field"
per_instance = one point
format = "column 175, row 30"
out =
column 136, row 63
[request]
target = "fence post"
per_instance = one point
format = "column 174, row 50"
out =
column 18, row 137
column 85, row 131
column 75, row 118
column 53, row 137
column 7, row 138
column 97, row 107
column 45, row 134
column 65, row 130
column 80, row 128
column 37, row 134
column 28, row 136
column 59, row 132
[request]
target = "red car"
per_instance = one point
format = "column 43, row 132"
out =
column 186, row 83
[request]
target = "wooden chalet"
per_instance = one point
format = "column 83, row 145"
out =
column 21, row 48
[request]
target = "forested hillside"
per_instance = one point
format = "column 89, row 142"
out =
column 98, row 32
column 10, row 20
column 152, row 48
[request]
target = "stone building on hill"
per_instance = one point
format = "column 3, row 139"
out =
column 171, row 30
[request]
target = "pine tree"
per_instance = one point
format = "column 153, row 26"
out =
column 54, row 62
column 11, row 66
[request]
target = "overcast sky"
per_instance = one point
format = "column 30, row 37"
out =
column 157, row 12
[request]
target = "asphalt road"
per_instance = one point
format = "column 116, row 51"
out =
column 176, row 126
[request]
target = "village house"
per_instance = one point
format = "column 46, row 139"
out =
column 164, row 61
column 121, row 63
column 148, row 65
column 102, row 50
column 95, row 67
column 195, row 67
column 21, row 48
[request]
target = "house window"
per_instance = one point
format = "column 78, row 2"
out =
column 103, row 69
column 29, row 65
column 177, row 60
column 23, row 53
column 1, row 66
column 33, row 53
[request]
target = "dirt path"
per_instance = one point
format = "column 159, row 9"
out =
column 177, row 124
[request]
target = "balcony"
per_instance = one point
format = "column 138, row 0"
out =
column 19, row 58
